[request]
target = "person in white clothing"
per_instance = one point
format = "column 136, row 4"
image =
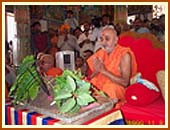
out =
column 71, row 21
column 67, row 41
column 84, row 40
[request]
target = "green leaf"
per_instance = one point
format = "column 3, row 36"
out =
column 86, row 85
column 71, row 92
column 71, row 83
column 84, row 99
column 60, row 80
column 58, row 103
column 56, row 88
column 75, row 109
column 23, row 67
column 80, row 82
column 81, row 101
column 78, row 74
column 27, row 62
column 28, row 58
column 33, row 91
column 24, row 97
column 13, row 87
column 70, row 73
column 27, row 81
column 68, row 105
column 82, row 90
column 63, row 94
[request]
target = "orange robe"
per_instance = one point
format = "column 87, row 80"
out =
column 111, row 63
column 54, row 72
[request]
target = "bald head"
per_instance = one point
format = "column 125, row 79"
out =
column 48, row 59
column 46, row 62
column 109, row 29
column 109, row 38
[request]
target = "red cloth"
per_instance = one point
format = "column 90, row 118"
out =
column 144, row 96
column 54, row 72
column 149, row 61
column 150, row 114
column 126, row 41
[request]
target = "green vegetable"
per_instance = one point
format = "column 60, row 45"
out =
column 68, row 105
column 27, row 84
column 84, row 99
column 75, row 109
column 71, row 84
column 61, row 94
column 71, row 92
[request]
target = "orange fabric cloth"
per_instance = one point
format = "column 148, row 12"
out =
column 54, row 72
column 111, row 62
column 64, row 27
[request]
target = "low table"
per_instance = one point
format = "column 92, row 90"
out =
column 31, row 117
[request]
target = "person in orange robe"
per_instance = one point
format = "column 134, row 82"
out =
column 112, row 66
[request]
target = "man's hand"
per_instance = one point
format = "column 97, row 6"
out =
column 99, row 65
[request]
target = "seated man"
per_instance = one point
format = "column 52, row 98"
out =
column 112, row 66
column 46, row 65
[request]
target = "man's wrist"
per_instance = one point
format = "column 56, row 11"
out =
column 104, row 71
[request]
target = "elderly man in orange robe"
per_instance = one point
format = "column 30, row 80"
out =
column 112, row 66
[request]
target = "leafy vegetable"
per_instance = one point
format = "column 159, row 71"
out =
column 71, row 92
column 75, row 109
column 71, row 84
column 27, row 83
column 68, row 105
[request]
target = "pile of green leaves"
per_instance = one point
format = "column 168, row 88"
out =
column 27, row 82
column 71, row 92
